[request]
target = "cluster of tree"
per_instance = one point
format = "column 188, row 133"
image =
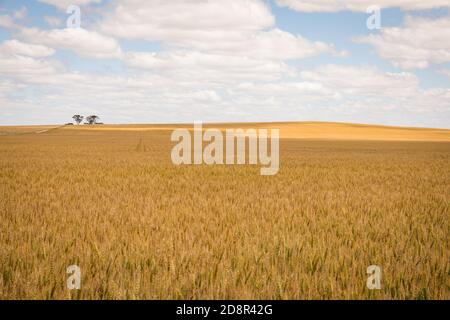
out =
column 92, row 119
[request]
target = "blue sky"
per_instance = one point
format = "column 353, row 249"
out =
column 238, row 60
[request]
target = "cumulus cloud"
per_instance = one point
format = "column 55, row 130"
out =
column 367, row 80
column 359, row 5
column 331, row 92
column 272, row 44
column 13, row 47
column 373, row 89
column 336, row 84
column 237, row 27
column 81, row 41
column 26, row 61
column 417, row 44
column 194, row 66
column 28, row 69
column 180, row 21
column 350, row 93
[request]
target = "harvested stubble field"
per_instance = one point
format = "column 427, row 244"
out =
column 109, row 200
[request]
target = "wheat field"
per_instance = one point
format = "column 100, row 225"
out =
column 108, row 199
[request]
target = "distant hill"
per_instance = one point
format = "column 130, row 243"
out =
column 288, row 130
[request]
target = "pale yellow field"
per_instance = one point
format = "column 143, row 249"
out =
column 288, row 130
column 108, row 199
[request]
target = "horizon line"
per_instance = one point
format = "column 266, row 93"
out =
column 234, row 123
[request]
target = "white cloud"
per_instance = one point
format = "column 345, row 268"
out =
column 372, row 89
column 24, row 61
column 81, row 41
column 180, row 21
column 27, row 69
column 195, row 66
column 272, row 44
column 13, row 47
column 359, row 5
column 332, row 85
column 64, row 4
column 368, row 80
column 331, row 92
column 349, row 93
column 416, row 45
column 232, row 27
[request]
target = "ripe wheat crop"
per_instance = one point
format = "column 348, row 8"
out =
column 111, row 202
